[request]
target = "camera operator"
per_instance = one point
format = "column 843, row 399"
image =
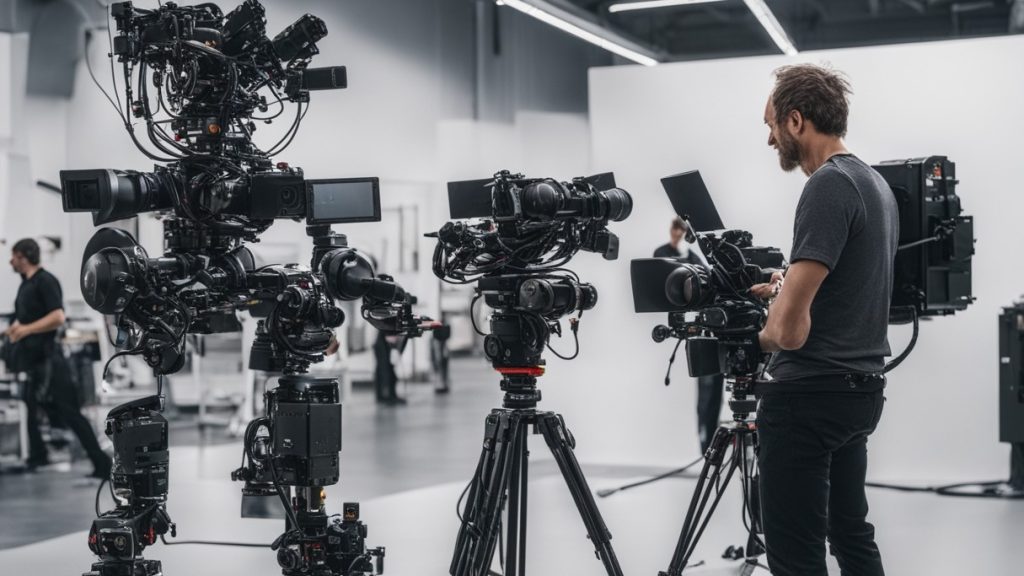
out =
column 828, row 327
column 39, row 312
column 709, row 388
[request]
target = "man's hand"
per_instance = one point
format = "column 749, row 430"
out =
column 17, row 331
column 332, row 348
column 789, row 317
column 769, row 290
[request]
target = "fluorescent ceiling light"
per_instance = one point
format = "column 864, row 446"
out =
column 562, row 22
column 771, row 25
column 648, row 4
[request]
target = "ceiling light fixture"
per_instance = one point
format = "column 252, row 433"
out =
column 771, row 25
column 567, row 22
column 649, row 4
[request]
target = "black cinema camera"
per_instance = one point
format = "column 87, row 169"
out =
column 139, row 480
column 527, row 222
column 526, row 230
column 709, row 306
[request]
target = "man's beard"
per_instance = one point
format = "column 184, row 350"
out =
column 789, row 152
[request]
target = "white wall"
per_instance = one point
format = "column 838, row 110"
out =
column 32, row 136
column 962, row 99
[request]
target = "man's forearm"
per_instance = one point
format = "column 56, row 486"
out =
column 47, row 323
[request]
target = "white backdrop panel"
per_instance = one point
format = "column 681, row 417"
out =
column 961, row 99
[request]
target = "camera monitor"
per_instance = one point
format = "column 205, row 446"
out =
column 342, row 200
column 470, row 198
column 933, row 265
column 692, row 201
column 603, row 181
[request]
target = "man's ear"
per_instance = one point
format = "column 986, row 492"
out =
column 795, row 122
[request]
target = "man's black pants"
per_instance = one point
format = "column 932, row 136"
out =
column 812, row 458
column 49, row 383
column 384, row 375
column 709, row 407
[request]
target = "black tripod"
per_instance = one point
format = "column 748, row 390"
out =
column 502, row 473
column 732, row 449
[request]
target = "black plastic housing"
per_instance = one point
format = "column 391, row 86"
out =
column 933, row 277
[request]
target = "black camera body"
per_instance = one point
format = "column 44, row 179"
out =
column 140, row 483
column 529, row 220
column 734, row 265
column 305, row 416
column 139, row 434
column 259, row 197
column 526, row 230
column 297, row 444
column 709, row 306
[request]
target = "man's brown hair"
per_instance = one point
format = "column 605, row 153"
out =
column 28, row 249
column 820, row 94
column 678, row 223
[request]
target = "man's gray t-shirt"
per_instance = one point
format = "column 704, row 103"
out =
column 848, row 220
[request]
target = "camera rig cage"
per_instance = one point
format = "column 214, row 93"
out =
column 198, row 80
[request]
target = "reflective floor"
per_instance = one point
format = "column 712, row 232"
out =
column 408, row 465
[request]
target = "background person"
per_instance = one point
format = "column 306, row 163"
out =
column 38, row 313
column 709, row 388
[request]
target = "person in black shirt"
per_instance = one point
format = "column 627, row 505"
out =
column 709, row 388
column 827, row 327
column 671, row 249
column 39, row 312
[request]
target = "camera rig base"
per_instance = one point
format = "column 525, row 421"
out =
column 136, row 567
column 501, row 477
column 741, row 436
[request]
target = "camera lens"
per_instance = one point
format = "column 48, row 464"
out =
column 349, row 274
column 588, row 297
column 107, row 283
column 542, row 199
column 689, row 286
column 619, row 204
column 288, row 559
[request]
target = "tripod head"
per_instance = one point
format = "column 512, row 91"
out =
column 528, row 308
column 721, row 340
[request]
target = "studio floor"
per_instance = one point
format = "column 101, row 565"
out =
column 408, row 465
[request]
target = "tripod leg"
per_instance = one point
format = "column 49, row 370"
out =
column 523, row 479
column 480, row 530
column 515, row 564
column 558, row 440
column 755, row 545
column 696, row 521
